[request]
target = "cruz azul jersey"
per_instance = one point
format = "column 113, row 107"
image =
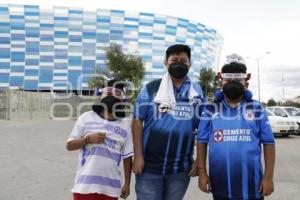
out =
column 168, row 137
column 98, row 165
column 234, row 137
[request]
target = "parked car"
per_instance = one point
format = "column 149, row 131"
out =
column 291, row 113
column 297, row 114
column 281, row 125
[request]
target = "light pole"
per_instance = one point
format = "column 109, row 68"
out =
column 258, row 74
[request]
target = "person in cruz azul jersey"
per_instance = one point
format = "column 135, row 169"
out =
column 163, row 125
column 235, row 127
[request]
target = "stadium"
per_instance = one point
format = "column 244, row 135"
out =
column 60, row 48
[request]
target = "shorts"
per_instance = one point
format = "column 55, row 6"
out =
column 92, row 196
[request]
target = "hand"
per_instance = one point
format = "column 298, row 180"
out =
column 95, row 138
column 266, row 186
column 138, row 165
column 204, row 182
column 194, row 169
column 125, row 191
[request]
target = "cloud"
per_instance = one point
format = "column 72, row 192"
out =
column 280, row 81
column 281, row 38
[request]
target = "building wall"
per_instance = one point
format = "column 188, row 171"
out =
column 59, row 48
column 17, row 105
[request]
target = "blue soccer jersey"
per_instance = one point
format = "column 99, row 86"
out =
column 234, row 136
column 168, row 136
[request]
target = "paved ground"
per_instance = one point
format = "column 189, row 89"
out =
column 35, row 165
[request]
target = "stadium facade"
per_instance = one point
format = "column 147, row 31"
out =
column 59, row 48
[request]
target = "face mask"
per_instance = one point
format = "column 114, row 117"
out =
column 109, row 103
column 178, row 70
column 233, row 90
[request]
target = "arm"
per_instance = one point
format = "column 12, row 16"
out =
column 194, row 167
column 201, row 156
column 127, row 164
column 141, row 110
column 269, row 154
column 267, row 184
column 75, row 144
column 137, row 131
column 267, row 138
column 92, row 138
column 203, row 182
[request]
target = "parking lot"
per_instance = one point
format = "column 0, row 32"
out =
column 35, row 164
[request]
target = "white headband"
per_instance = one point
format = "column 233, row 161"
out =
column 234, row 75
column 111, row 91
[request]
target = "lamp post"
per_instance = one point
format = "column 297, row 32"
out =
column 258, row 74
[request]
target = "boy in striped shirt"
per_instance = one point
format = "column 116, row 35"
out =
column 104, row 138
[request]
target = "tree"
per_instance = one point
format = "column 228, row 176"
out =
column 271, row 102
column 96, row 82
column 125, row 67
column 291, row 103
column 121, row 66
column 208, row 81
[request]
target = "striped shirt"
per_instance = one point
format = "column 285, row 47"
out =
column 98, row 167
column 234, row 136
column 168, row 137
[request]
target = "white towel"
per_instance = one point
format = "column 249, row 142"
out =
column 165, row 95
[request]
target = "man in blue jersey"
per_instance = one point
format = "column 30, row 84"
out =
column 234, row 126
column 163, row 125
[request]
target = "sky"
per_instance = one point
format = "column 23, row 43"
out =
column 250, row 28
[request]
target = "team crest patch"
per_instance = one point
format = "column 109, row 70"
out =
column 249, row 115
column 218, row 136
column 117, row 130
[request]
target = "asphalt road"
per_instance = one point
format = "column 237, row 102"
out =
column 34, row 163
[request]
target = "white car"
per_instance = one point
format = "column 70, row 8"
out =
column 290, row 113
column 281, row 125
column 297, row 114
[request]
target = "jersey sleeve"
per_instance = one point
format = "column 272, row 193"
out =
column 127, row 149
column 78, row 129
column 141, row 105
column 198, row 110
column 204, row 128
column 266, row 134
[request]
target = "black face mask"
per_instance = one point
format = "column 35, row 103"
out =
column 233, row 90
column 109, row 103
column 178, row 70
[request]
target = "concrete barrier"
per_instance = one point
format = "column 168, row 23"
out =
column 16, row 105
column 4, row 101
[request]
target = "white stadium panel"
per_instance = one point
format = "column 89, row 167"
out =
column 67, row 30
